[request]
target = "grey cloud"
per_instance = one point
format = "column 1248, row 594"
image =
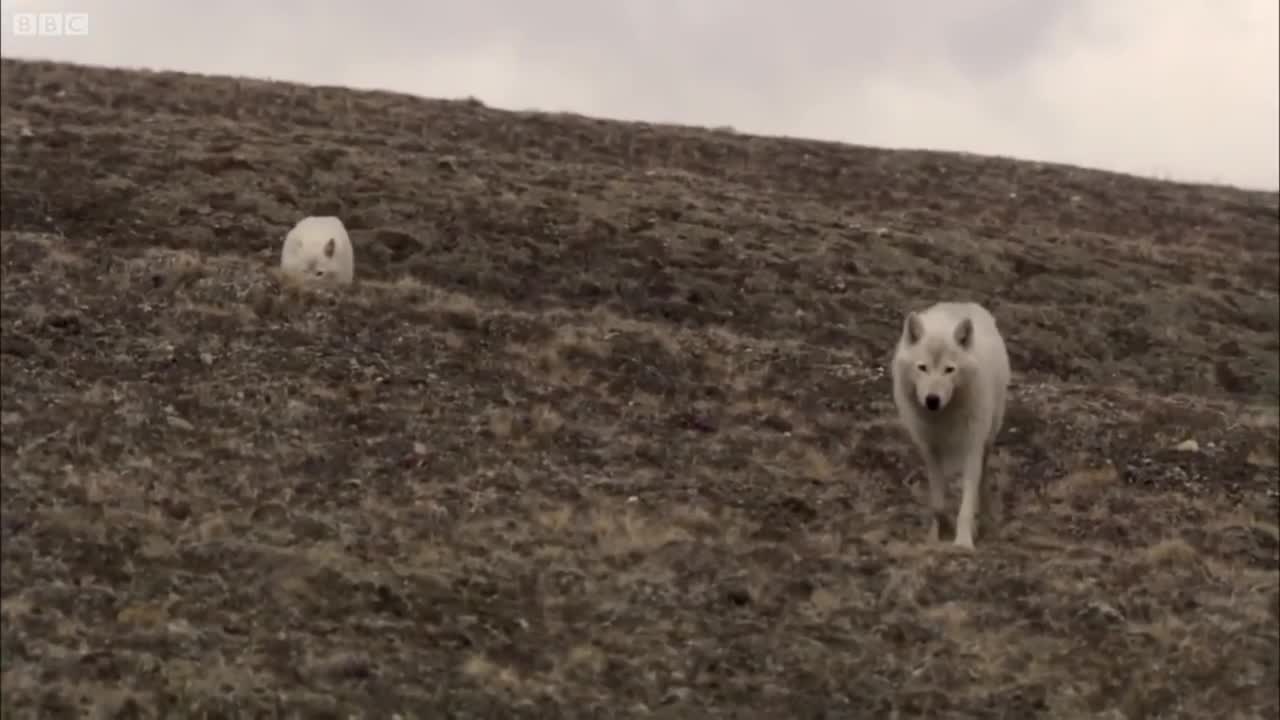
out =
column 1185, row 89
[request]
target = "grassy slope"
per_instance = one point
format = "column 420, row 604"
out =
column 604, row 428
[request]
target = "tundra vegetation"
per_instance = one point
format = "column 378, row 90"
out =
column 604, row 428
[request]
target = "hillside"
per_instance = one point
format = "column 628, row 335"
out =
column 604, row 427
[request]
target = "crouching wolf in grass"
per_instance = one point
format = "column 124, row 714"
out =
column 318, row 248
column 950, row 377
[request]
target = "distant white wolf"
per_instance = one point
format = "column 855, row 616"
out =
column 950, row 377
column 317, row 248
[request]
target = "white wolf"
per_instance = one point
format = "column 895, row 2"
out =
column 950, row 377
column 318, row 248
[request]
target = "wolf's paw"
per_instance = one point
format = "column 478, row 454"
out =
column 964, row 543
column 939, row 526
column 934, row 533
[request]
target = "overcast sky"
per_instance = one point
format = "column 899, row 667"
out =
column 1181, row 89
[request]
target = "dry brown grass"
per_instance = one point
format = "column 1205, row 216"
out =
column 603, row 428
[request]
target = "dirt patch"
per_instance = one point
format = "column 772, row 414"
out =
column 603, row 429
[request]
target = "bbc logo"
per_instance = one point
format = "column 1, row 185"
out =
column 51, row 24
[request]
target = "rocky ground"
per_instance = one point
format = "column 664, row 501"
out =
column 604, row 429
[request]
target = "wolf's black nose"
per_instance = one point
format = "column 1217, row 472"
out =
column 932, row 402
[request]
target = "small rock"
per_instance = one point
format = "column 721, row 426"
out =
column 777, row 423
column 695, row 421
column 18, row 346
column 676, row 695
column 182, row 627
column 1188, row 446
column 435, row 511
column 1104, row 612
column 346, row 666
column 419, row 448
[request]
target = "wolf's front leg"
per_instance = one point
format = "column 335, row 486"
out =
column 988, row 500
column 937, row 497
column 970, row 484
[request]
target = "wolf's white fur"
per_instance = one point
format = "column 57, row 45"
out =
column 952, row 355
column 318, row 248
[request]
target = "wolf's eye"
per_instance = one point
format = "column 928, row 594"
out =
column 922, row 367
column 949, row 369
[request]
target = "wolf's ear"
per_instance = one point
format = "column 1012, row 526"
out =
column 964, row 333
column 329, row 248
column 912, row 329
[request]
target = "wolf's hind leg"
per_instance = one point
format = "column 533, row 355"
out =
column 989, row 510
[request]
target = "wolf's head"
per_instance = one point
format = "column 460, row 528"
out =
column 323, row 265
column 935, row 359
